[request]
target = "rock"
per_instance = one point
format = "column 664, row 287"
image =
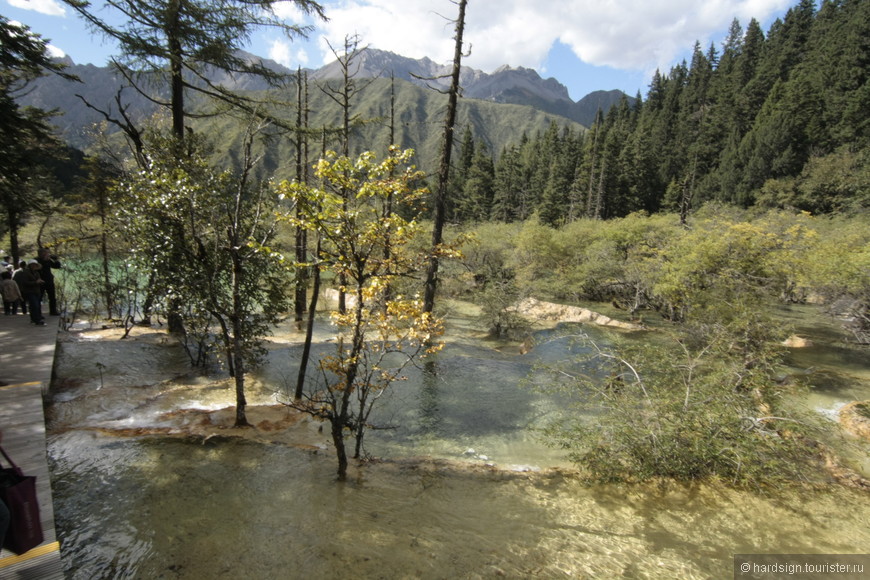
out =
column 795, row 341
column 855, row 418
column 537, row 310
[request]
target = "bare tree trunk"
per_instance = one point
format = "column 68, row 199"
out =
column 238, row 354
column 309, row 330
column 444, row 167
column 301, row 233
column 388, row 210
column 104, row 253
column 340, row 450
column 312, row 309
column 229, row 351
column 343, row 97
column 176, row 58
column 12, row 223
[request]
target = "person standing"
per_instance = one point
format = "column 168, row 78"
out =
column 48, row 261
column 11, row 294
column 18, row 276
column 33, row 292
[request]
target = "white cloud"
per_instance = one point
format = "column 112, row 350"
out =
column 281, row 51
column 54, row 52
column 640, row 35
column 411, row 28
column 624, row 34
column 49, row 7
column 289, row 12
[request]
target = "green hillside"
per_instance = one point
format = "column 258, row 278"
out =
column 419, row 118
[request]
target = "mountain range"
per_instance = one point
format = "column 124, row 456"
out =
column 515, row 86
column 499, row 107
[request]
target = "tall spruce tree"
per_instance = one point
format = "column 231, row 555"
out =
column 181, row 41
column 477, row 193
column 27, row 141
column 506, row 186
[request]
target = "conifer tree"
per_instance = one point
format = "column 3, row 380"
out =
column 506, row 186
column 27, row 140
column 477, row 194
column 556, row 196
column 180, row 40
column 459, row 172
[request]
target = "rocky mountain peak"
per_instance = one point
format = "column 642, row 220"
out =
column 507, row 84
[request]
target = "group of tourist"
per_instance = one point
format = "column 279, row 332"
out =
column 28, row 284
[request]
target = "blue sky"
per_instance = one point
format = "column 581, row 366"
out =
column 586, row 44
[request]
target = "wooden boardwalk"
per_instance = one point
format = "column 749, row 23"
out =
column 26, row 362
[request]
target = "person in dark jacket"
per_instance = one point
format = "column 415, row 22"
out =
column 47, row 261
column 33, row 292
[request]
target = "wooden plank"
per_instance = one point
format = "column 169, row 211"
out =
column 27, row 357
column 33, row 554
column 42, row 563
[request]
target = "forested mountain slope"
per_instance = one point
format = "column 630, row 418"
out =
column 780, row 119
column 419, row 114
column 776, row 118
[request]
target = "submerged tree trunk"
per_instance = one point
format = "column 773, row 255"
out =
column 341, row 416
column 444, row 167
column 340, row 451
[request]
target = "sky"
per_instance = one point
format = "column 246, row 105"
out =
column 587, row 45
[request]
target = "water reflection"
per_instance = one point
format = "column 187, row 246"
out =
column 430, row 410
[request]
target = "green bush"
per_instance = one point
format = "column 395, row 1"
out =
column 684, row 412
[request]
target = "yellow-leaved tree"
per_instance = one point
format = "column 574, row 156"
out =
column 365, row 240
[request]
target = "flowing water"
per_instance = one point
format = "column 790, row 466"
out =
column 484, row 502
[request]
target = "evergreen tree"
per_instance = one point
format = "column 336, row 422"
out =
column 507, row 184
column 664, row 128
column 459, row 175
column 555, row 199
column 27, row 141
column 477, row 194
column 180, row 39
column 836, row 73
